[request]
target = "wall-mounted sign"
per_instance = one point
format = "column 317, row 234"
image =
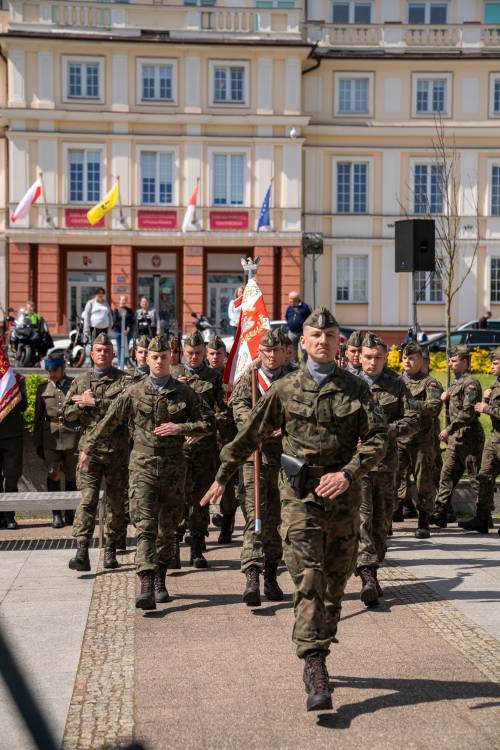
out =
column 76, row 218
column 224, row 220
column 156, row 261
column 156, row 219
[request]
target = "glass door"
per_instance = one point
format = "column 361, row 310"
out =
column 160, row 291
column 81, row 286
column 221, row 289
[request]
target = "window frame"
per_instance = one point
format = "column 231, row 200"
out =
column 68, row 60
column 352, row 8
column 157, row 62
column 164, row 149
column 67, row 147
column 351, row 257
column 350, row 159
column 427, row 12
column 496, row 300
column 428, row 288
column 493, row 165
column 421, row 76
column 346, row 75
column 212, row 65
column 429, row 163
column 222, row 151
column 494, row 79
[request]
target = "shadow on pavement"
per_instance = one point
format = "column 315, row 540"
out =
column 202, row 601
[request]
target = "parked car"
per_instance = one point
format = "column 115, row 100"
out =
column 492, row 323
column 473, row 338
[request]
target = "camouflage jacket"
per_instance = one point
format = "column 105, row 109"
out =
column 135, row 374
column 50, row 430
column 493, row 411
column 338, row 426
column 403, row 419
column 144, row 407
column 106, row 389
column 207, row 383
column 464, row 393
column 426, row 394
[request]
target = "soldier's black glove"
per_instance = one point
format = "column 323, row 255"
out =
column 40, row 452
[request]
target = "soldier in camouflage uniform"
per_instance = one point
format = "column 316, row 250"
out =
column 464, row 435
column 378, row 487
column 353, row 352
column 56, row 442
column 490, row 462
column 141, row 368
column 262, row 552
column 163, row 413
column 333, row 434
column 216, row 354
column 200, row 453
column 89, row 398
column 438, row 459
column 416, row 454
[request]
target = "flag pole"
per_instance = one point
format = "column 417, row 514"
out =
column 251, row 269
column 120, row 207
column 44, row 198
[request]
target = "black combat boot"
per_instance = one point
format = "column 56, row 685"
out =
column 175, row 562
column 69, row 517
column 478, row 523
column 110, row 561
column 121, row 541
column 81, row 560
column 452, row 517
column 272, row 590
column 146, row 599
column 409, row 510
column 317, row 682
column 369, row 593
column 226, row 530
column 397, row 516
column 161, row 594
column 251, row 594
column 439, row 517
column 197, row 559
column 380, row 590
column 423, row 531
column 57, row 522
column 12, row 524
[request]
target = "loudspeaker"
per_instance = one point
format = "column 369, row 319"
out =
column 415, row 245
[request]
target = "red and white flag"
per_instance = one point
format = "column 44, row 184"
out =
column 253, row 323
column 31, row 196
column 10, row 393
column 189, row 223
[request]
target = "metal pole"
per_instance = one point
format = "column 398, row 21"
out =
column 414, row 300
column 256, row 464
column 314, row 280
column 123, row 312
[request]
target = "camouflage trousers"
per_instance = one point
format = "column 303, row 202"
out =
column 459, row 456
column 488, row 472
column 418, row 460
column 378, row 502
column 320, row 543
column 229, row 501
column 158, row 499
column 200, row 473
column 89, row 480
column 266, row 546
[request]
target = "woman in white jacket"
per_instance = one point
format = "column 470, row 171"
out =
column 233, row 313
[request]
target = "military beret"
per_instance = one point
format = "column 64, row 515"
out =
column 321, row 318
column 371, row 340
column 216, row 343
column 194, row 339
column 356, row 338
column 495, row 354
column 412, row 349
column 142, row 342
column 54, row 360
column 459, row 351
column 103, row 340
column 273, row 338
column 158, row 344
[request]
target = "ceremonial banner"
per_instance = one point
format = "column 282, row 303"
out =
column 31, row 196
column 96, row 213
column 10, row 393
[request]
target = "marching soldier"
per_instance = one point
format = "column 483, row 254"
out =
column 200, row 452
column 464, row 435
column 490, row 462
column 262, row 552
column 55, row 441
column 89, row 398
column 378, row 488
column 416, row 454
column 216, row 354
column 353, row 352
column 163, row 413
column 141, row 368
column 333, row 434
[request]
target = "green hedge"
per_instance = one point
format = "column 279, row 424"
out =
column 32, row 382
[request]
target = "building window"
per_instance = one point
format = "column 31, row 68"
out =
column 84, row 176
column 352, row 278
column 428, row 189
column 157, row 185
column 495, row 190
column 351, row 12
column 228, row 179
column 431, row 96
column 352, row 187
column 157, row 83
column 495, row 280
column 492, row 13
column 427, row 286
column 83, row 79
column 353, row 96
column 495, row 96
column 433, row 13
column 229, row 84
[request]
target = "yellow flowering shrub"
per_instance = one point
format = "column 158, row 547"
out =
column 480, row 362
column 393, row 359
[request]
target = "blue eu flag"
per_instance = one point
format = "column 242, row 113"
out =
column 264, row 221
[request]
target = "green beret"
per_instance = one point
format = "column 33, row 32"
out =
column 459, row 351
column 142, row 342
column 495, row 354
column 158, row 344
column 356, row 338
column 273, row 338
column 412, row 349
column 371, row 340
column 321, row 318
column 216, row 343
column 103, row 339
column 194, row 339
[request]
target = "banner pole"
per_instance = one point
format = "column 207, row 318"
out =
column 256, row 464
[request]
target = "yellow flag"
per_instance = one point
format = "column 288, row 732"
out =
column 96, row 213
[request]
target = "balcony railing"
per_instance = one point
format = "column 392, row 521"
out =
column 139, row 16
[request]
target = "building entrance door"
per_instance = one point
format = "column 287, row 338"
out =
column 160, row 291
column 221, row 289
column 82, row 285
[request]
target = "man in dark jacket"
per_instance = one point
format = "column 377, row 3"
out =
column 296, row 312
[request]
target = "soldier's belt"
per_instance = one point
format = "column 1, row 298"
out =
column 148, row 450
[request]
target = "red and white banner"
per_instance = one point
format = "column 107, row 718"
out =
column 31, row 196
column 253, row 323
column 189, row 223
column 10, row 393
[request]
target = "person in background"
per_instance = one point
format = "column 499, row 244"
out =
column 122, row 309
column 234, row 310
column 145, row 320
column 166, row 314
column 296, row 312
column 483, row 322
column 11, row 437
column 97, row 315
